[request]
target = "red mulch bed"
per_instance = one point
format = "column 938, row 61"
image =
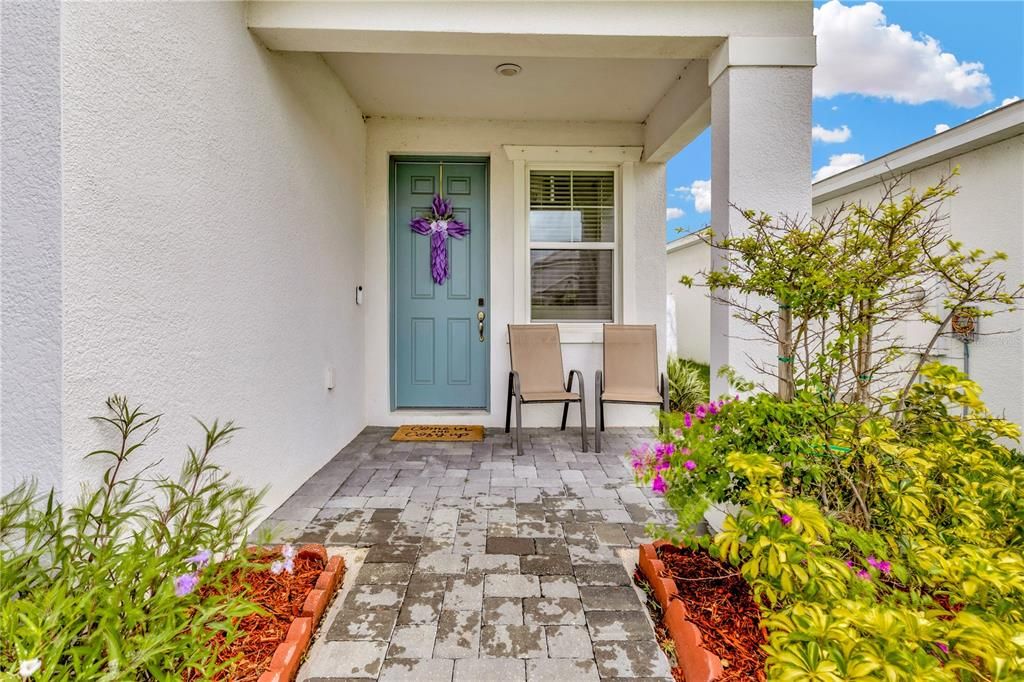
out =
column 723, row 609
column 281, row 596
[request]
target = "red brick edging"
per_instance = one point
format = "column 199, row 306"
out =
column 698, row 664
column 284, row 666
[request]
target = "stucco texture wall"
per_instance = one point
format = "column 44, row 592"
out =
column 30, row 244
column 693, row 307
column 388, row 136
column 987, row 213
column 212, row 239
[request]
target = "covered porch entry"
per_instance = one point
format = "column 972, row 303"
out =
column 555, row 91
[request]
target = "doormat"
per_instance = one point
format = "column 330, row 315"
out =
column 440, row 434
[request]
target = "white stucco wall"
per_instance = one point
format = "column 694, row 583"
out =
column 987, row 213
column 212, row 238
column 693, row 310
column 30, row 244
column 388, row 136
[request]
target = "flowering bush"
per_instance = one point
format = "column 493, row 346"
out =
column 123, row 583
column 880, row 548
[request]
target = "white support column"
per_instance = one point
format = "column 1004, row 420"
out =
column 760, row 159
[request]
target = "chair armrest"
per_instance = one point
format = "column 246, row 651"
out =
column 574, row 373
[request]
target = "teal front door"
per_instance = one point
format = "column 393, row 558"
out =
column 440, row 333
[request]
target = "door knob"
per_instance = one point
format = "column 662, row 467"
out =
column 480, row 316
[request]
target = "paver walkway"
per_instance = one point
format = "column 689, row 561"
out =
column 482, row 565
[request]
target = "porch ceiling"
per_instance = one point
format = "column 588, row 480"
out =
column 466, row 86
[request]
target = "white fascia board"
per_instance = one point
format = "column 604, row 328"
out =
column 685, row 242
column 995, row 126
column 572, row 154
column 762, row 51
column 682, row 113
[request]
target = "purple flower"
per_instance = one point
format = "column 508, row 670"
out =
column 786, row 519
column 943, row 647
column 688, row 420
column 883, row 566
column 200, row 559
column 637, row 464
column 863, row 575
column 658, row 485
column 185, row 583
column 287, row 551
column 712, row 408
column 700, row 411
column 849, row 563
column 690, row 465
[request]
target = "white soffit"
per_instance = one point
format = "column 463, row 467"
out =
column 548, row 88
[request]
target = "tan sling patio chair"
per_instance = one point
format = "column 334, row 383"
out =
column 630, row 371
column 537, row 376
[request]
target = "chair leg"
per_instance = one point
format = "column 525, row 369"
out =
column 583, row 415
column 519, row 425
column 598, row 410
column 565, row 414
column 508, row 406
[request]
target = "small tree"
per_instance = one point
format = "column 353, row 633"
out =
column 831, row 293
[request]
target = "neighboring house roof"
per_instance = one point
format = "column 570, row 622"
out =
column 995, row 126
column 685, row 241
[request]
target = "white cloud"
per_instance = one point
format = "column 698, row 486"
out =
column 837, row 163
column 671, row 213
column 700, row 190
column 840, row 134
column 1006, row 102
column 941, row 128
column 859, row 52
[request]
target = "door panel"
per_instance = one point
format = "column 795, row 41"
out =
column 437, row 357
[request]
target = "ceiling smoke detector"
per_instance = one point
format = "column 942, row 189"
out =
column 508, row 69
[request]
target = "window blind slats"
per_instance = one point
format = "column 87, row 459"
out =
column 572, row 206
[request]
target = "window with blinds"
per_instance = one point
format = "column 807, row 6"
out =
column 572, row 246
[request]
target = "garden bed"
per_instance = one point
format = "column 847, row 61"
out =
column 708, row 612
column 271, row 645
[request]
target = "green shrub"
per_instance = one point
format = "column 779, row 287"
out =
column 123, row 583
column 688, row 384
column 880, row 548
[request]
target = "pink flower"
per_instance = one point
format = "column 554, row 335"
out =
column 185, row 583
column 849, row 563
column 690, row 465
column 883, row 566
column 700, row 411
column 943, row 647
column 688, row 420
column 786, row 519
column 718, row 427
column 863, row 575
column 658, row 485
column 712, row 408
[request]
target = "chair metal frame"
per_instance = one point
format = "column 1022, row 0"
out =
column 515, row 391
column 599, row 401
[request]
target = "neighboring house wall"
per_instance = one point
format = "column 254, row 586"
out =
column 690, row 255
column 431, row 136
column 987, row 213
column 212, row 205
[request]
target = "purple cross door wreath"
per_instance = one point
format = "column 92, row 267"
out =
column 439, row 225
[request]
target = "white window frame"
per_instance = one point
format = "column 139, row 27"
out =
column 620, row 161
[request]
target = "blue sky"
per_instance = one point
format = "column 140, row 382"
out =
column 897, row 97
